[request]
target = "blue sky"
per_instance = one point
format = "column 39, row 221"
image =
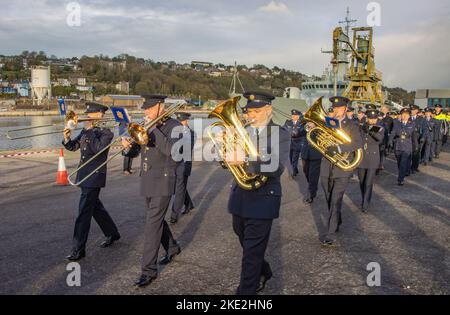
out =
column 412, row 44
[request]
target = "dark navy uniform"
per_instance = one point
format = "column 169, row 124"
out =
column 158, row 180
column 388, row 123
column 440, row 131
column 372, row 136
column 253, row 211
column 405, row 138
column 429, row 127
column 298, row 139
column 334, row 180
column 90, row 142
column 311, row 159
column 182, row 197
column 419, row 130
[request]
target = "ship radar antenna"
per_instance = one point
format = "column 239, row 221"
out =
column 348, row 22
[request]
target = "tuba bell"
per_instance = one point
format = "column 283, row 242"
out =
column 321, row 137
column 235, row 135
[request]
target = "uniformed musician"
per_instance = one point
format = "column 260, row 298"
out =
column 182, row 202
column 405, row 138
column 90, row 141
column 419, row 128
column 158, row 180
column 311, row 160
column 334, row 180
column 441, row 130
column 372, row 134
column 298, row 138
column 351, row 114
column 254, row 210
column 429, row 127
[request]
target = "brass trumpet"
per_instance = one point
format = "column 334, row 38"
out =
column 321, row 137
column 138, row 133
column 71, row 121
column 236, row 135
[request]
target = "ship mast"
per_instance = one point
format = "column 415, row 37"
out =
column 232, row 91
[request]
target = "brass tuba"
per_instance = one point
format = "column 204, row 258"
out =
column 321, row 137
column 235, row 135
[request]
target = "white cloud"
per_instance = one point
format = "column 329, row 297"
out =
column 275, row 7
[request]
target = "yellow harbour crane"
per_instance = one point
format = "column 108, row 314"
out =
column 365, row 81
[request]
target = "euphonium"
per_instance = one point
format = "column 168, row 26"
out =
column 235, row 135
column 321, row 137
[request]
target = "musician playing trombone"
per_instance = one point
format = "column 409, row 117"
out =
column 158, row 179
column 90, row 141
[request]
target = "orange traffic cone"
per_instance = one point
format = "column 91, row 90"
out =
column 61, row 176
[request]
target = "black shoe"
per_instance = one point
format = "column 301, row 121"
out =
column 186, row 211
column 109, row 240
column 425, row 163
column 364, row 210
column 168, row 258
column 76, row 255
column 401, row 183
column 308, row 200
column 144, row 280
column 262, row 282
column 173, row 220
column 328, row 243
column 417, row 171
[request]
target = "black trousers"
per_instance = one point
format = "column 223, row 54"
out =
column 334, row 189
column 311, row 169
column 294, row 155
column 427, row 155
column 383, row 154
column 127, row 163
column 157, row 232
column 181, row 197
column 437, row 146
column 254, row 236
column 366, row 178
column 91, row 206
column 403, row 164
column 415, row 158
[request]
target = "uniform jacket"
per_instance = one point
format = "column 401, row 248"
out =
column 185, row 167
column 329, row 170
column 90, row 142
column 405, row 136
column 429, row 128
column 310, row 153
column 419, row 127
column 297, row 132
column 158, row 168
column 263, row 203
column 371, row 145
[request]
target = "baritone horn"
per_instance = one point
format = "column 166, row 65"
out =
column 321, row 137
column 235, row 135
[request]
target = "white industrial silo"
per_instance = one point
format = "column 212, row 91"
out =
column 40, row 84
column 292, row 92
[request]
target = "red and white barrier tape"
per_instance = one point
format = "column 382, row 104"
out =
column 40, row 152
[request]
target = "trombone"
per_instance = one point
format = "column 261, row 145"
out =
column 139, row 135
column 71, row 121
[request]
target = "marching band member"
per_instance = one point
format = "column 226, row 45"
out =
column 372, row 135
column 254, row 210
column 182, row 202
column 298, row 138
column 158, row 179
column 405, row 137
column 429, row 126
column 90, row 141
column 334, row 180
